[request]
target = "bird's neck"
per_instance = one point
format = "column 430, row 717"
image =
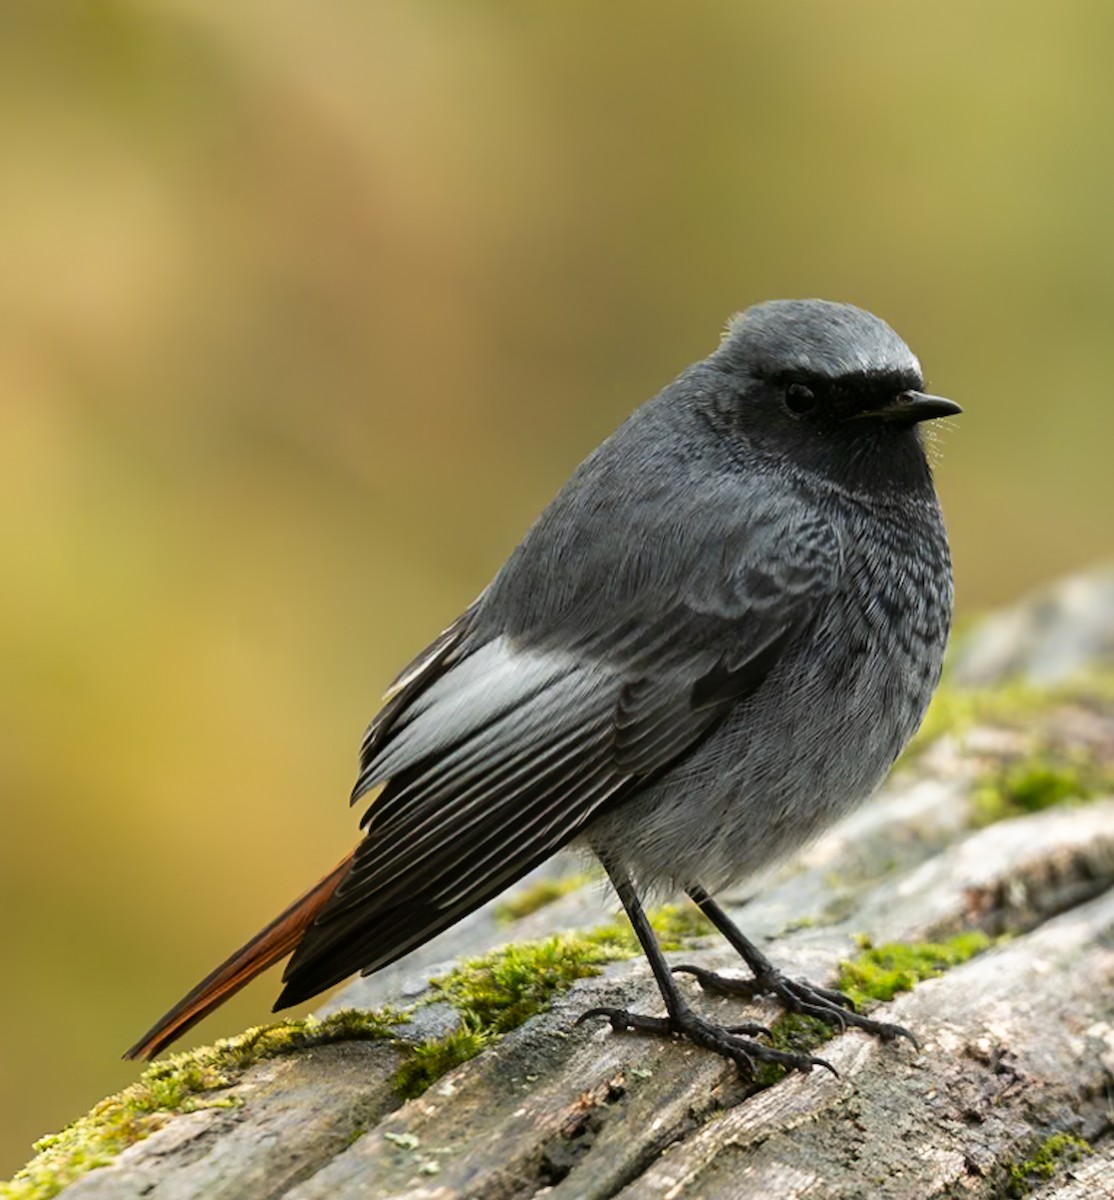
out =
column 884, row 465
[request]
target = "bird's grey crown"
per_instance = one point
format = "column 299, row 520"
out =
column 815, row 337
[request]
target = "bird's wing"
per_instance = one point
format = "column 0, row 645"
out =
column 413, row 679
column 505, row 750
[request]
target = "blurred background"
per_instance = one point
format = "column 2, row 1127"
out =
column 307, row 310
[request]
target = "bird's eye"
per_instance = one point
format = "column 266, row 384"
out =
column 799, row 399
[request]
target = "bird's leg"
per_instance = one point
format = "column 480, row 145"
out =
column 796, row 995
column 681, row 1020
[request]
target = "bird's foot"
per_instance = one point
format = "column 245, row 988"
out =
column 721, row 1039
column 799, row 996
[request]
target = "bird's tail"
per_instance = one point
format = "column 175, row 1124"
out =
column 276, row 941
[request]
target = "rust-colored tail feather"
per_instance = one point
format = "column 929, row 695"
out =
column 276, row 941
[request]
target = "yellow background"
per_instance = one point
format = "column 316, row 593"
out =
column 307, row 309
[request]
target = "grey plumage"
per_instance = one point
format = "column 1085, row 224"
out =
column 714, row 641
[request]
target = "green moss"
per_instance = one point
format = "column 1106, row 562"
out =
column 880, row 972
column 794, row 1034
column 537, row 895
column 677, row 923
column 1046, row 775
column 502, row 989
column 499, row 991
column 954, row 710
column 1042, row 779
column 285, row 1037
column 181, row 1083
column 427, row 1062
column 798, row 1034
column 1053, row 1152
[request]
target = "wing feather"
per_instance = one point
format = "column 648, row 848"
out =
column 506, row 796
column 490, row 684
column 502, row 744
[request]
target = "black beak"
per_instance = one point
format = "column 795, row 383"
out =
column 910, row 408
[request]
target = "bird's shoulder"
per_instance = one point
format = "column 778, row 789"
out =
column 652, row 526
column 663, row 569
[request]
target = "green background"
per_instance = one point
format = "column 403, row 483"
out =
column 307, row 309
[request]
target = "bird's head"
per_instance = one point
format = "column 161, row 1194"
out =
column 827, row 386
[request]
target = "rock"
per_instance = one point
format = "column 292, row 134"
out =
column 1046, row 639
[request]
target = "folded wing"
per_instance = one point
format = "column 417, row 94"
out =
column 495, row 751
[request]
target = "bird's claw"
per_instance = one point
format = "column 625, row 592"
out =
column 800, row 996
column 721, row 1039
column 622, row 1020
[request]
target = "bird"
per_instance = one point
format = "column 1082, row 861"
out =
column 714, row 642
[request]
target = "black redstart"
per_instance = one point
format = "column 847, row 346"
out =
column 712, row 643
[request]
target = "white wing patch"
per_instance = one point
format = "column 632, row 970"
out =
column 490, row 684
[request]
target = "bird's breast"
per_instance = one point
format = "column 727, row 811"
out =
column 820, row 734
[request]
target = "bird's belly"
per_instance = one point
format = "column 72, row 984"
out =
column 813, row 742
